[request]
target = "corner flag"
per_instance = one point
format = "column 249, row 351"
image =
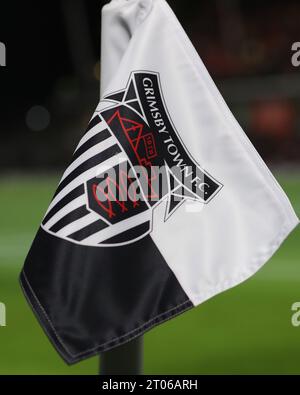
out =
column 165, row 204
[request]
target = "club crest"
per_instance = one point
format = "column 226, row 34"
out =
column 130, row 159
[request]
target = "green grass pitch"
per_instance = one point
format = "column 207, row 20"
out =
column 245, row 330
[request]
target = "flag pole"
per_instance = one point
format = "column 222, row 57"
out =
column 126, row 359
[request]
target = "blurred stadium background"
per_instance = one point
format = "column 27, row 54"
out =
column 48, row 92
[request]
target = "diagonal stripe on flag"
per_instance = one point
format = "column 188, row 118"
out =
column 90, row 163
column 87, row 155
column 94, row 127
column 90, row 173
column 70, row 217
column 63, row 202
column 88, row 230
column 119, row 227
column 78, row 202
column 97, row 138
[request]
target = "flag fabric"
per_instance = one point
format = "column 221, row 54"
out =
column 165, row 202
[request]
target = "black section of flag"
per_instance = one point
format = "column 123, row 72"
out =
column 90, row 300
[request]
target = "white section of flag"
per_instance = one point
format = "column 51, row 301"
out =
column 237, row 231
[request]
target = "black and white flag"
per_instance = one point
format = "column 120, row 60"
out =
column 165, row 202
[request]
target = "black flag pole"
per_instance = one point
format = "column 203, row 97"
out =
column 126, row 359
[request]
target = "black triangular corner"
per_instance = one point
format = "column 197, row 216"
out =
column 116, row 96
column 131, row 95
column 173, row 203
